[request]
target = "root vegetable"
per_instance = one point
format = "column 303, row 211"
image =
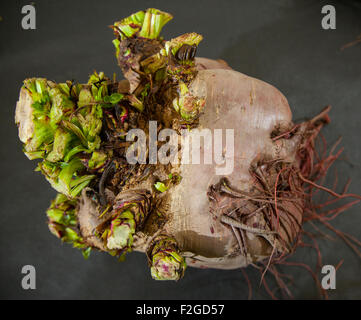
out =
column 201, row 215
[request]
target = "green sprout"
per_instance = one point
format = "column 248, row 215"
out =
column 61, row 124
column 173, row 45
column 120, row 233
column 188, row 106
column 160, row 186
column 146, row 24
column 62, row 223
column 128, row 215
column 166, row 261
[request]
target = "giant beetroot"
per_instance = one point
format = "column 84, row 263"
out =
column 205, row 214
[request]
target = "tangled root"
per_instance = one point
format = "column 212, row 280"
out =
column 283, row 201
column 311, row 174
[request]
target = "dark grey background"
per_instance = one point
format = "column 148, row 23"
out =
column 278, row 41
